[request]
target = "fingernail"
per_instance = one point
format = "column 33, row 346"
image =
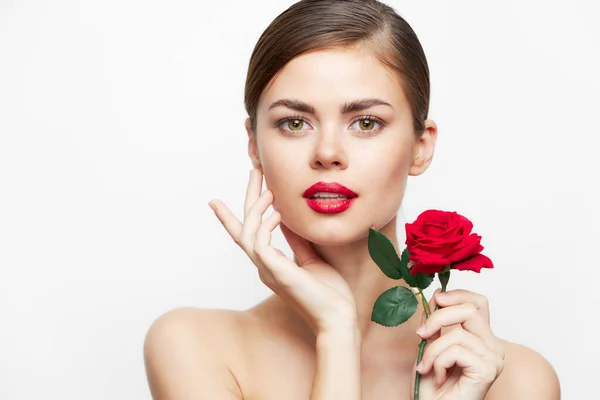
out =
column 441, row 295
column 211, row 205
column 420, row 366
column 421, row 330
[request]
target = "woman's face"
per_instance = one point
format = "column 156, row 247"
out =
column 304, row 136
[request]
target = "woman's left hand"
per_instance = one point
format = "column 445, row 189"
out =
column 462, row 362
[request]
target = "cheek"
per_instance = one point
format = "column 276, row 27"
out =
column 386, row 167
column 276, row 164
column 282, row 177
column 385, row 178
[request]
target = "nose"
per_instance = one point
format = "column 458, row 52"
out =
column 329, row 151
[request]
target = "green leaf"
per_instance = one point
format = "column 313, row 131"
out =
column 382, row 251
column 405, row 258
column 420, row 280
column 394, row 306
column 424, row 280
column 405, row 271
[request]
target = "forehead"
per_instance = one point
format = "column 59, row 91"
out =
column 333, row 76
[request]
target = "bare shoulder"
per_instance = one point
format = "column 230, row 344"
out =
column 527, row 375
column 188, row 353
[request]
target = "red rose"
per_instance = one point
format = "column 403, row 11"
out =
column 441, row 238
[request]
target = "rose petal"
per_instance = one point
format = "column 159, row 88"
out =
column 426, row 269
column 453, row 231
column 466, row 224
column 423, row 257
column 433, row 229
column 474, row 263
column 439, row 240
column 468, row 248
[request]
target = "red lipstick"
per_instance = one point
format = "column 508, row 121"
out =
column 329, row 198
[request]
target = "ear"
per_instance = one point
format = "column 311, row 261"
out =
column 424, row 149
column 252, row 145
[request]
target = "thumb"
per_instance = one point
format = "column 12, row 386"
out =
column 304, row 252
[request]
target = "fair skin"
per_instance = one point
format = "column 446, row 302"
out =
column 242, row 354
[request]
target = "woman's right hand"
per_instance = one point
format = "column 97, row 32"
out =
column 312, row 287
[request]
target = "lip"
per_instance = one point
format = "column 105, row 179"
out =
column 332, row 187
column 330, row 206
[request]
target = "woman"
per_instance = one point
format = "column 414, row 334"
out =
column 337, row 95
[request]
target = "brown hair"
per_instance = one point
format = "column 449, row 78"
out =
column 310, row 25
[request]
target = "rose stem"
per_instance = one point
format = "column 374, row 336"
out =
column 443, row 276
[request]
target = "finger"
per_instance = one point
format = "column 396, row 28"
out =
column 253, row 190
column 263, row 243
column 229, row 221
column 434, row 306
column 431, row 304
column 263, row 234
column 274, row 261
column 461, row 296
column 473, row 366
column 254, row 217
column 303, row 250
column 456, row 337
column 464, row 314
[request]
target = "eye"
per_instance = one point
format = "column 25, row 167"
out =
column 292, row 125
column 369, row 125
column 295, row 124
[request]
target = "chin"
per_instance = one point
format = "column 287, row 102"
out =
column 333, row 239
column 326, row 231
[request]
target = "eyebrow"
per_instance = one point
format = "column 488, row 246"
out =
column 347, row 108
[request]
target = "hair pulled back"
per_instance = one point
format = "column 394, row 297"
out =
column 310, row 25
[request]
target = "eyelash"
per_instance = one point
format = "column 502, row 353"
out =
column 371, row 132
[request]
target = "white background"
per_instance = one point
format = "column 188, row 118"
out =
column 120, row 120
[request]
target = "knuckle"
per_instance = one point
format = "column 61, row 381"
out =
column 458, row 335
column 452, row 352
column 500, row 367
column 455, row 349
column 499, row 362
column 237, row 240
column 240, row 239
column 261, row 276
column 490, row 373
column 437, row 361
column 470, row 309
column 485, row 302
column 264, row 279
column 498, row 349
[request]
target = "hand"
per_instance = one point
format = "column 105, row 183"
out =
column 313, row 288
column 462, row 362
